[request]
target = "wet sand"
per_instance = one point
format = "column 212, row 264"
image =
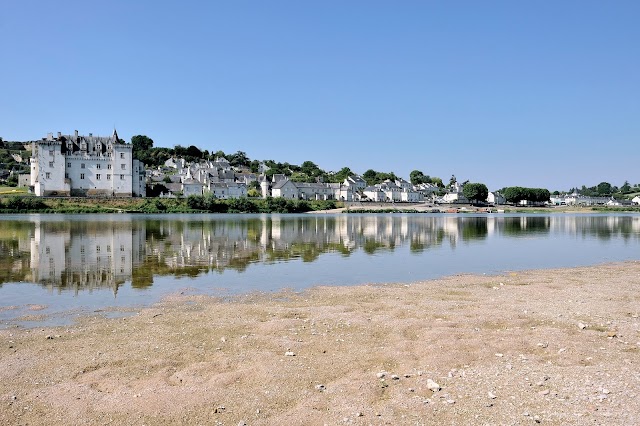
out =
column 550, row 347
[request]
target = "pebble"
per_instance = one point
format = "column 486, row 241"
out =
column 492, row 395
column 395, row 377
column 581, row 326
column 499, row 355
column 320, row 387
column 544, row 392
column 242, row 423
column 381, row 374
column 289, row 353
column 433, row 386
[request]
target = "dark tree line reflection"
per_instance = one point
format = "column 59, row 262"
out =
column 86, row 252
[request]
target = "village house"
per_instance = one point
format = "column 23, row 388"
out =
column 75, row 165
column 281, row 186
column 496, row 198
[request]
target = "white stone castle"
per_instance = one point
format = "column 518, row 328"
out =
column 74, row 165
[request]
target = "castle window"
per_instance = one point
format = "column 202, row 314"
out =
column 82, row 166
column 66, row 175
column 51, row 152
column 109, row 166
column 81, row 175
column 98, row 176
column 68, row 164
column 121, row 177
column 48, row 175
column 108, row 177
column 50, row 163
column 98, row 166
column 123, row 166
column 122, row 155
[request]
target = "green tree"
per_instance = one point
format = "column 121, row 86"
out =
column 194, row 152
column 604, row 188
column 625, row 188
column 513, row 194
column 141, row 146
column 437, row 181
column 417, row 177
column 475, row 192
column 310, row 168
column 340, row 176
column 239, row 159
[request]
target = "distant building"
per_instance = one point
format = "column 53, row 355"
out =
column 74, row 165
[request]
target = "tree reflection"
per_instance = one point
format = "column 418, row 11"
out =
column 76, row 253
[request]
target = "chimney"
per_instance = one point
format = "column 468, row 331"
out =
column 76, row 133
column 49, row 136
column 90, row 134
column 59, row 134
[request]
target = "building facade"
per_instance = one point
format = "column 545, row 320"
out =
column 74, row 165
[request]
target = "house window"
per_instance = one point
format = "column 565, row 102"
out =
column 68, row 164
column 98, row 166
column 123, row 166
column 121, row 177
column 50, row 163
column 122, row 155
column 82, row 166
column 98, row 176
column 108, row 166
column 81, row 175
column 48, row 175
column 108, row 177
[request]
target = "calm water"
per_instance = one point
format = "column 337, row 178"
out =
column 82, row 263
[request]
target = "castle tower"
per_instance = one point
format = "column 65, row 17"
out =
column 264, row 186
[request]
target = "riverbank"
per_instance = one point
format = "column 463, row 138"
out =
column 205, row 204
column 555, row 347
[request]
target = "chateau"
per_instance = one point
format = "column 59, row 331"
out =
column 74, row 165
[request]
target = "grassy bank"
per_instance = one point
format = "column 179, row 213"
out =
column 192, row 204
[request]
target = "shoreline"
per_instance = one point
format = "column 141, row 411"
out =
column 559, row 344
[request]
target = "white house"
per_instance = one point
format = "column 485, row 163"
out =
column 636, row 200
column 356, row 182
column 496, row 198
column 225, row 191
column 191, row 187
column 373, row 193
column 284, row 188
column 74, row 165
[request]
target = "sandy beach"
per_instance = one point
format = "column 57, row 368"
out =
column 553, row 347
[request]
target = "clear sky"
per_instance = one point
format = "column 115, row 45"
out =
column 530, row 93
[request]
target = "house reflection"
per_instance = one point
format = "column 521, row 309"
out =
column 65, row 253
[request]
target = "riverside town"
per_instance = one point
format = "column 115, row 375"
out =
column 75, row 165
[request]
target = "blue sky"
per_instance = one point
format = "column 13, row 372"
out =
column 543, row 94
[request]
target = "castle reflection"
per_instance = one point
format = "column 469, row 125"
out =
column 81, row 253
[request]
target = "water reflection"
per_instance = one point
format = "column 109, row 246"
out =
column 88, row 252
